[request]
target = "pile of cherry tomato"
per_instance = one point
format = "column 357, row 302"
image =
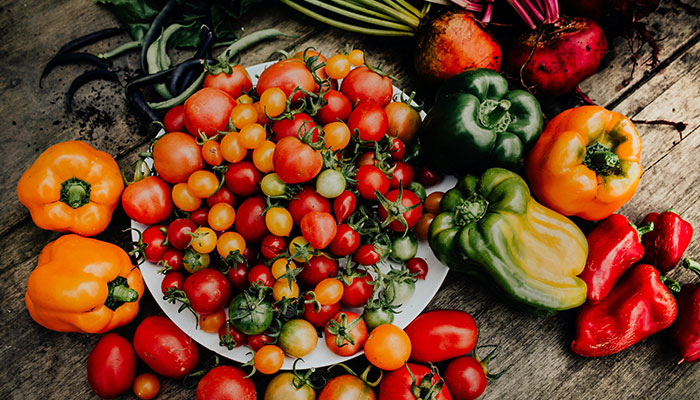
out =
column 270, row 205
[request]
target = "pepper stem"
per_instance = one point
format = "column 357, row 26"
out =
column 75, row 192
column 601, row 160
column 642, row 230
column 471, row 210
column 120, row 293
column 691, row 265
column 672, row 285
column 494, row 114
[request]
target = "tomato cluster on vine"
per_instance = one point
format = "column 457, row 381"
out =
column 278, row 200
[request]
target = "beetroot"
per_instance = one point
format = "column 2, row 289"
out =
column 452, row 42
column 559, row 52
column 564, row 54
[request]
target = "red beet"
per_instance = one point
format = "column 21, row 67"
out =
column 452, row 42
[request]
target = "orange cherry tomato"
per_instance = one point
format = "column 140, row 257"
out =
column 203, row 183
column 329, row 291
column 146, row 386
column 252, row 136
column 244, row 99
column 268, row 359
column 231, row 148
column 243, row 114
column 285, row 288
column 221, row 216
column 229, row 242
column 432, row 202
column 279, row 221
column 263, row 156
column 262, row 118
column 357, row 57
column 184, row 199
column 212, row 323
column 211, row 153
column 388, row 347
column 337, row 135
column 273, row 101
column 203, row 240
column 338, row 66
column 279, row 267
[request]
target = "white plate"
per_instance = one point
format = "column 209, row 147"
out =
column 321, row 356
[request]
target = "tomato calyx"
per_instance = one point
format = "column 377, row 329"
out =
column 232, row 260
column 173, row 296
column 395, row 210
column 341, row 328
column 254, row 297
column 485, row 362
column 426, row 388
column 227, row 340
column 299, row 380
column 303, row 252
column 194, row 261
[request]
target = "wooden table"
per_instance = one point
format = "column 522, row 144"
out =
column 38, row 363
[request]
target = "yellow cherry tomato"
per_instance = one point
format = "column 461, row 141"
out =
column 252, row 136
column 329, row 291
column 263, row 156
column 245, row 99
column 229, row 242
column 279, row 267
column 243, row 114
column 204, row 240
column 279, row 221
column 338, row 66
column 184, row 199
column 268, row 359
column 337, row 135
column 231, row 148
column 221, row 216
column 285, row 288
column 357, row 57
column 273, row 101
column 203, row 183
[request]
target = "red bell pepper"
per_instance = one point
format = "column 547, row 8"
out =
column 637, row 307
column 685, row 332
column 614, row 245
column 665, row 246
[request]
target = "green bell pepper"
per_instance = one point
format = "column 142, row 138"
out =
column 491, row 227
column 477, row 122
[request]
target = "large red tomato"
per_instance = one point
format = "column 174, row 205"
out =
column 361, row 84
column 111, row 366
column 441, row 334
column 296, row 161
column 165, row 348
column 369, row 120
column 306, row 201
column 234, row 84
column 148, row 201
column 207, row 111
column 398, row 384
column 226, row 383
column 297, row 126
column 176, row 156
column 287, row 75
column 250, row 219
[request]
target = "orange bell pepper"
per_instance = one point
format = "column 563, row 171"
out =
column 72, row 187
column 586, row 163
column 83, row 285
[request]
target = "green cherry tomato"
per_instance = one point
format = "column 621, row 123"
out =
column 272, row 185
column 298, row 338
column 284, row 387
column 193, row 261
column 377, row 316
column 404, row 248
column 330, row 183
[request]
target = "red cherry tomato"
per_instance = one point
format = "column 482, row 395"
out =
column 226, row 382
column 261, row 273
column 207, row 111
column 344, row 205
column 146, row 386
column 243, row 179
column 318, row 228
column 199, row 216
column 111, row 366
column 428, row 176
column 419, row 266
column 298, row 125
column 359, row 291
column 166, row 349
column 305, row 202
column 148, row 200
column 255, row 342
column 223, row 195
column 366, row 255
column 179, row 233
column 172, row 259
column 361, row 84
column 397, row 149
column 230, row 337
column 272, row 246
column 465, row 377
column 174, row 280
column 337, row 109
column 295, row 161
column 356, row 331
column 207, row 290
column 441, row 334
column 345, row 242
column 370, row 120
column 153, row 237
column 397, row 384
column 408, row 199
column 238, row 276
column 250, row 219
column 317, row 269
column 174, row 119
column 370, row 178
column 234, row 84
column 320, row 317
column 402, row 175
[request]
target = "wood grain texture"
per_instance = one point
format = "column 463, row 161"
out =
column 44, row 364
